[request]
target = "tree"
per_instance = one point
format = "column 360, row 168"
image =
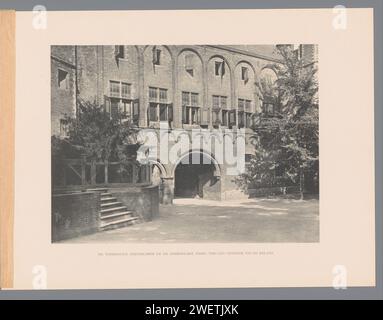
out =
column 288, row 141
column 95, row 135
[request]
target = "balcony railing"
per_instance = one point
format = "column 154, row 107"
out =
column 80, row 172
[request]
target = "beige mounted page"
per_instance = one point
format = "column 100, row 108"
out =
column 282, row 243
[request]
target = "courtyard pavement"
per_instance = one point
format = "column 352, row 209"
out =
column 198, row 220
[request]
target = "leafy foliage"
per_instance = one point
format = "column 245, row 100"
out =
column 287, row 144
column 96, row 135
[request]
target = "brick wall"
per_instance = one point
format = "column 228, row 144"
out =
column 75, row 214
column 62, row 90
column 143, row 201
column 97, row 65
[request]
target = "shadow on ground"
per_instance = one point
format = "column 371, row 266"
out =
column 197, row 220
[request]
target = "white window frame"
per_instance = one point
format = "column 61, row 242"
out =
column 191, row 107
column 159, row 102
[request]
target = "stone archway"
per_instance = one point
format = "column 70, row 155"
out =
column 197, row 175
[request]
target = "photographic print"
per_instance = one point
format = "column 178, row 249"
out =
column 185, row 143
column 187, row 156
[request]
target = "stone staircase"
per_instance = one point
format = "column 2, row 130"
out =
column 113, row 214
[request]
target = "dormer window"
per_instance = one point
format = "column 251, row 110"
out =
column 245, row 74
column 156, row 56
column 119, row 51
column 219, row 68
column 189, row 64
column 62, row 77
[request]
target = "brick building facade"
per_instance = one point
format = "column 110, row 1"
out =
column 201, row 86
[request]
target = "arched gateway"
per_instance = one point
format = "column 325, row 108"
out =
column 197, row 175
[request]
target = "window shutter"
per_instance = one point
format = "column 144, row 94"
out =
column 189, row 65
column 232, row 121
column 217, row 67
column 245, row 74
column 170, row 112
column 136, row 110
column 222, row 68
column 117, row 51
column 148, row 115
column 184, row 114
column 154, row 55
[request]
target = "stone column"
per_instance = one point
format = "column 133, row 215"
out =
column 168, row 190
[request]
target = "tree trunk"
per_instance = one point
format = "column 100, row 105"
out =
column 301, row 183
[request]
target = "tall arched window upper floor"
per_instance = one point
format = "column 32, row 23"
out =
column 190, row 71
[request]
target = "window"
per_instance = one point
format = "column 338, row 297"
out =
column 125, row 90
column 194, row 115
column 163, row 95
column 189, row 64
column 119, row 51
column 248, row 105
column 190, row 108
column 232, row 117
column 153, row 94
column 245, row 74
column 241, row 120
column 185, row 98
column 125, row 109
column 219, row 102
column 120, row 89
column 194, row 99
column 241, row 104
column 216, row 118
column 219, row 68
column 244, row 113
column 216, row 102
column 62, row 78
column 219, row 107
column 225, row 120
column 163, row 112
column 244, row 119
column 114, row 89
column 119, row 103
column 156, row 56
column 223, row 102
column 159, row 107
column 153, row 111
column 63, row 127
column 244, row 105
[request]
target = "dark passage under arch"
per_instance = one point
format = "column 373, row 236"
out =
column 196, row 180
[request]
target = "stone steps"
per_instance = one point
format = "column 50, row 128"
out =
column 106, row 217
column 113, row 213
column 117, row 223
column 108, row 204
column 113, row 209
column 107, row 199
